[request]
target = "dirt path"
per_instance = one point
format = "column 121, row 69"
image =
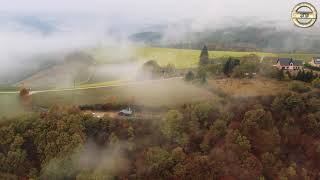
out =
column 114, row 114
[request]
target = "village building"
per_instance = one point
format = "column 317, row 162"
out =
column 315, row 61
column 289, row 64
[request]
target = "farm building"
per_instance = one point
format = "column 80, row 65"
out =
column 315, row 61
column 289, row 64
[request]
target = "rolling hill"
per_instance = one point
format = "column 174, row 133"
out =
column 75, row 68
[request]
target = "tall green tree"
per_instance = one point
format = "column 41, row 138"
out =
column 172, row 125
column 204, row 56
column 230, row 65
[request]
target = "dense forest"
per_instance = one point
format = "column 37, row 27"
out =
column 274, row 137
column 236, row 38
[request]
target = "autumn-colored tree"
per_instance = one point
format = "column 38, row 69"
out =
column 195, row 167
column 271, row 165
column 217, row 131
column 261, row 138
column 64, row 135
column 313, row 124
column 172, row 125
column 160, row 162
column 201, row 112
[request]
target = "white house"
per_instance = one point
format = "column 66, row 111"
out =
column 315, row 61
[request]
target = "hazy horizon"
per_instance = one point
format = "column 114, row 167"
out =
column 165, row 10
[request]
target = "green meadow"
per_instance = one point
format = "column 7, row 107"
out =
column 182, row 58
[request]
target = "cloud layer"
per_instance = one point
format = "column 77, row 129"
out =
column 155, row 10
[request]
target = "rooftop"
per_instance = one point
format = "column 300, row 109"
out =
column 316, row 60
column 288, row 61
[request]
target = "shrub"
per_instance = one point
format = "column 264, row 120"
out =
column 316, row 83
column 215, row 69
column 245, row 68
column 202, row 75
column 269, row 71
column 299, row 87
column 309, row 66
column 189, row 76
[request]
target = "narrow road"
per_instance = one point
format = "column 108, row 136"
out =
column 94, row 87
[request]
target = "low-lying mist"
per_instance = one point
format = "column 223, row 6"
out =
column 26, row 49
column 31, row 43
column 92, row 159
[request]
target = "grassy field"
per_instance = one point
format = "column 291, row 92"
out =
column 108, row 83
column 184, row 58
column 298, row 56
column 181, row 58
column 249, row 87
column 9, row 88
column 154, row 94
column 10, row 105
column 169, row 93
column 165, row 93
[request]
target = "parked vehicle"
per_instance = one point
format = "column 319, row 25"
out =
column 126, row 112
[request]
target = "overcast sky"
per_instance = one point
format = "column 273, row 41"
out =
column 158, row 10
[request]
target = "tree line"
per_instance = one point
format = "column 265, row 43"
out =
column 272, row 137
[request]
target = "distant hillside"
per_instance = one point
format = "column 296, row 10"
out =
column 75, row 68
column 147, row 37
column 34, row 23
column 236, row 38
column 24, row 68
column 29, row 23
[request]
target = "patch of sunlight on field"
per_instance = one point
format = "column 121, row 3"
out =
column 100, row 84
